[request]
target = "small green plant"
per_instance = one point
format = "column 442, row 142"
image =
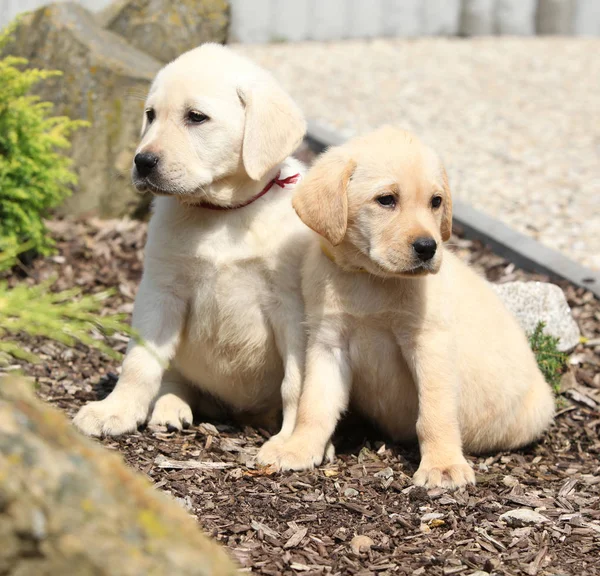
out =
column 34, row 175
column 550, row 359
column 67, row 317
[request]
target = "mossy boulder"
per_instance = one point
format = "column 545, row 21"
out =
column 104, row 81
column 68, row 506
column 163, row 28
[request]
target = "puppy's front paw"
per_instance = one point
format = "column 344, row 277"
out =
column 296, row 453
column 109, row 418
column 452, row 475
column 171, row 411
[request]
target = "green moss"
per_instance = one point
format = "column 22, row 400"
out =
column 551, row 361
column 151, row 524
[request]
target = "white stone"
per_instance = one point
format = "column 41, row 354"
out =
column 523, row 517
column 534, row 302
column 515, row 17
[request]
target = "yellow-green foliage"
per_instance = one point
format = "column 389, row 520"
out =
column 35, row 176
column 68, row 316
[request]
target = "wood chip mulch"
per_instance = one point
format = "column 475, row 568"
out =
column 360, row 515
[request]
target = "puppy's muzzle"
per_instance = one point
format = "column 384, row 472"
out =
column 145, row 162
column 424, row 248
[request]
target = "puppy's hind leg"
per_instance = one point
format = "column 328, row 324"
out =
column 173, row 407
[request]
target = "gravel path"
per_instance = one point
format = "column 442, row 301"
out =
column 517, row 121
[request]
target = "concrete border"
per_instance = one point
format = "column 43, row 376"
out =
column 522, row 250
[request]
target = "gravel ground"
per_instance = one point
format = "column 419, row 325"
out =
column 307, row 523
column 516, row 120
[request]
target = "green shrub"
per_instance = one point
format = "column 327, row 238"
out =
column 35, row 176
column 67, row 317
column 551, row 361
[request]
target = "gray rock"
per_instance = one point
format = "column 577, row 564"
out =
column 555, row 16
column 523, row 517
column 163, row 28
column 515, row 17
column 104, row 81
column 477, row 18
column 534, row 302
column 82, row 507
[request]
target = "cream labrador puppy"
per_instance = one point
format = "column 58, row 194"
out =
column 220, row 301
column 398, row 325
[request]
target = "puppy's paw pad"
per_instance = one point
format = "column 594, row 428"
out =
column 107, row 418
column 290, row 455
column 173, row 412
column 452, row 476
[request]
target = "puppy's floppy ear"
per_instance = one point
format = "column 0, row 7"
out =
column 321, row 200
column 446, row 226
column 274, row 127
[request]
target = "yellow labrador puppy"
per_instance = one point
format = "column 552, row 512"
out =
column 398, row 325
column 220, row 298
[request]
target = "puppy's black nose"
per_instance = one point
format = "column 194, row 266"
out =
column 145, row 162
column 425, row 248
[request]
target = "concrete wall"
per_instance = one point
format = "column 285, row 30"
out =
column 292, row 20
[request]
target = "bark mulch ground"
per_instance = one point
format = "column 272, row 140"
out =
column 307, row 523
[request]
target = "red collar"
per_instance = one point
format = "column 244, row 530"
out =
column 280, row 182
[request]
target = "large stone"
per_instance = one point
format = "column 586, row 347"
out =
column 164, row 28
column 68, row 506
column 534, row 302
column 104, row 81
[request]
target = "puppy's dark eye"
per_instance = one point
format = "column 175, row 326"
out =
column 389, row 200
column 150, row 115
column 436, row 201
column 196, row 117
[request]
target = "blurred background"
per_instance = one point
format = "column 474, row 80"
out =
column 506, row 90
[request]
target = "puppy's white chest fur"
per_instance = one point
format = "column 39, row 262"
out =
column 229, row 267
